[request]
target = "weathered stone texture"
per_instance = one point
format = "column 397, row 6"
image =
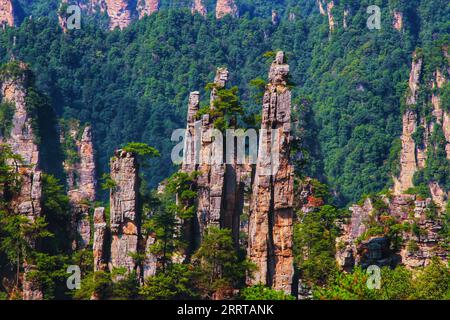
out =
column 376, row 250
column 22, row 140
column 125, row 217
column 147, row 7
column 119, row 13
column 271, row 217
column 198, row 6
column 408, row 158
column 100, row 240
column 6, row 13
column 398, row 20
column 81, row 182
column 226, row 7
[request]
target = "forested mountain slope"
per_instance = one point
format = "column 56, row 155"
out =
column 132, row 85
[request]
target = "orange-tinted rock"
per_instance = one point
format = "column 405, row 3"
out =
column 226, row 7
column 147, row 7
column 22, row 140
column 119, row 13
column 331, row 19
column 198, row 7
column 271, row 212
column 398, row 20
column 100, row 240
column 6, row 13
column 408, row 159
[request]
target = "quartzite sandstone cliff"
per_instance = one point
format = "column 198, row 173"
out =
column 271, row 213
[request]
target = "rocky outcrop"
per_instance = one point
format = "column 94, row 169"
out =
column 345, row 19
column 210, row 182
column 119, row 13
column 124, row 211
column 6, row 13
column 81, row 180
column 331, row 19
column 420, row 242
column 321, row 7
column 198, row 6
column 23, row 141
column 275, row 17
column 147, row 7
column 398, row 20
column 271, row 213
column 226, row 7
column 408, row 157
column 100, row 240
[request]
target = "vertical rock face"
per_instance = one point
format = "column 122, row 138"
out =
column 275, row 17
column 147, row 7
column 225, row 7
column 331, row 20
column 408, row 159
column 125, row 217
column 198, row 6
column 415, row 250
column 119, row 12
column 81, row 181
column 6, row 13
column 321, row 8
column 398, row 20
column 100, row 239
column 346, row 15
column 22, row 140
column 271, row 215
column 210, row 183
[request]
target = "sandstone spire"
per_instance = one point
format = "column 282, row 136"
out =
column 225, row 7
column 212, row 170
column 22, row 140
column 124, row 213
column 198, row 6
column 100, row 240
column 119, row 13
column 271, row 217
column 81, row 180
column 6, row 13
column 147, row 7
column 408, row 162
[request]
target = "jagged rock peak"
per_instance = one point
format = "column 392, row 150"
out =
column 7, row 13
column 124, row 211
column 119, row 13
column 147, row 7
column 279, row 70
column 100, row 238
column 198, row 6
column 271, row 209
column 226, row 7
column 398, row 20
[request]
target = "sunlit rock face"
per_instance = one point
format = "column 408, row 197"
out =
column 271, row 209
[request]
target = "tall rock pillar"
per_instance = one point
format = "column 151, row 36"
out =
column 409, row 159
column 22, row 139
column 271, row 213
column 212, row 169
column 124, row 215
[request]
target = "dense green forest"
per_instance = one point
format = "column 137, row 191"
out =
column 133, row 85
